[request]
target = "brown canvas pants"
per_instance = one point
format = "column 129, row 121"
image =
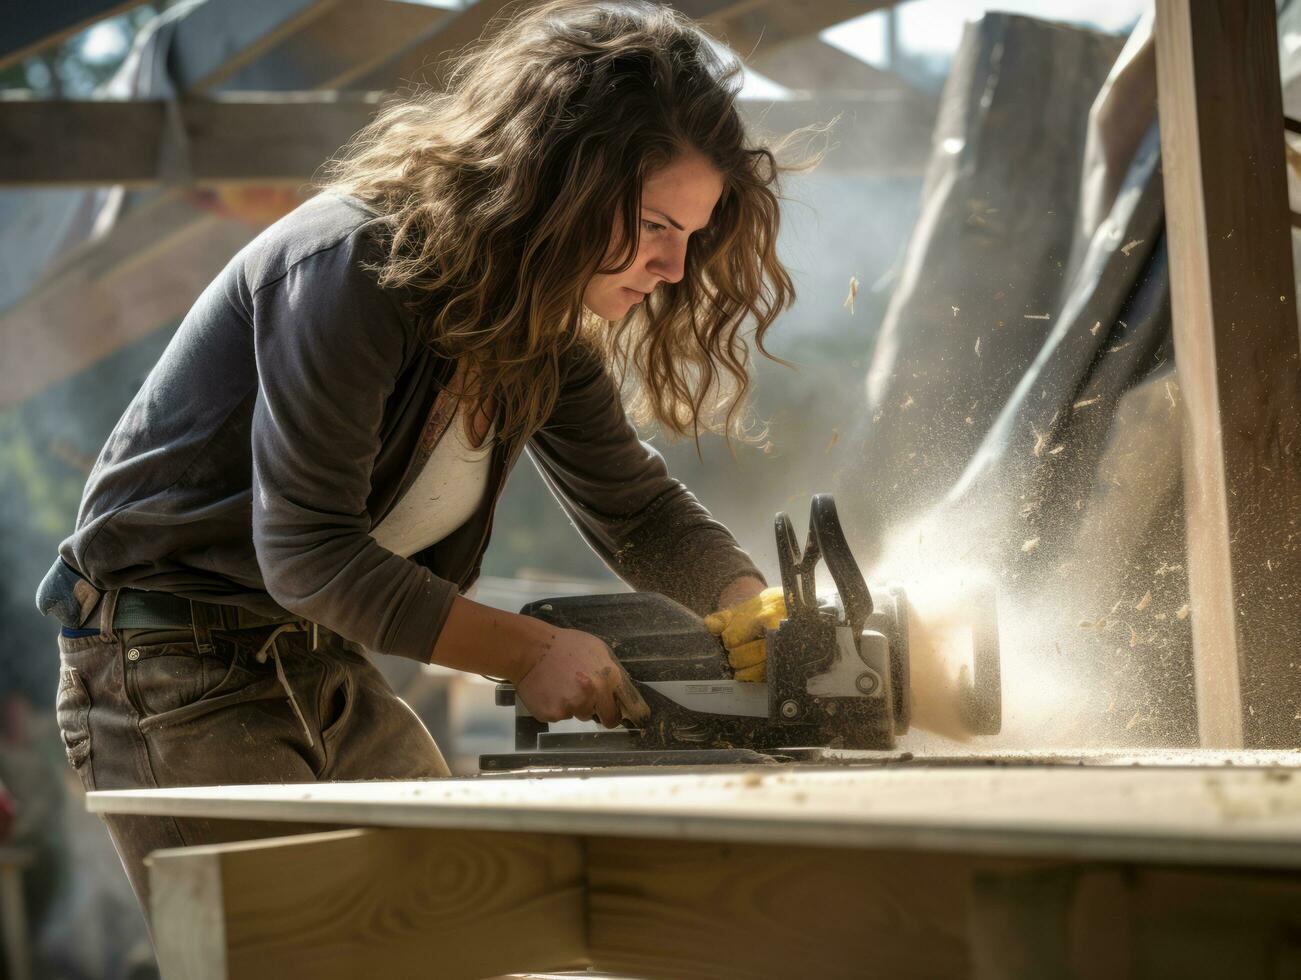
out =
column 146, row 708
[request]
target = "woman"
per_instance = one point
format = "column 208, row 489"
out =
column 312, row 466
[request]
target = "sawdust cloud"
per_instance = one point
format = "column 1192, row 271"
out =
column 1092, row 618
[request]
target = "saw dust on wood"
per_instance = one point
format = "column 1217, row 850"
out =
column 1040, row 440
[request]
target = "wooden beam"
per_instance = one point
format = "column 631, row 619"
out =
column 1127, row 922
column 114, row 291
column 1236, row 348
column 812, row 65
column 737, row 911
column 419, row 61
column 213, row 41
column 357, row 903
column 120, row 288
column 65, row 325
column 753, row 28
column 28, row 28
column 743, row 22
column 472, row 903
column 342, row 46
column 281, row 138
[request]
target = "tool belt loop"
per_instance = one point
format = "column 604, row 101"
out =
column 107, row 609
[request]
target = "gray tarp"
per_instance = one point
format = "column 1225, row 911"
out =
column 1022, row 411
column 988, row 253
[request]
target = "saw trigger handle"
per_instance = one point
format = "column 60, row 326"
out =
column 826, row 542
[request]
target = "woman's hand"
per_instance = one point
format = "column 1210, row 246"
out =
column 557, row 673
column 576, row 676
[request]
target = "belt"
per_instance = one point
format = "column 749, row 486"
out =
column 65, row 594
column 162, row 610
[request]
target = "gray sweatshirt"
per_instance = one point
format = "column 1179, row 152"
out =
column 292, row 409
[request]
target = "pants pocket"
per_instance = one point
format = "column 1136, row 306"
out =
column 339, row 696
column 164, row 677
column 72, row 710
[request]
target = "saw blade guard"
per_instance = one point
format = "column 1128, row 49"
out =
column 826, row 542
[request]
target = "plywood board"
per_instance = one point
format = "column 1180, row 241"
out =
column 1190, row 815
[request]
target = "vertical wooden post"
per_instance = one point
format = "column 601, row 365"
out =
column 1236, row 348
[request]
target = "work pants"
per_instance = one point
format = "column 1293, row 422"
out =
column 140, row 709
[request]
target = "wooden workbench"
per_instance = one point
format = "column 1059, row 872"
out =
column 1090, row 867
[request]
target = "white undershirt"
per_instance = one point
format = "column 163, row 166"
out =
column 444, row 495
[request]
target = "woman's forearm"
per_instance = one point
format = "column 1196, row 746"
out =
column 558, row 673
column 745, row 587
column 484, row 640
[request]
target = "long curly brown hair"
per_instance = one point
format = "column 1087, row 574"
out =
column 502, row 189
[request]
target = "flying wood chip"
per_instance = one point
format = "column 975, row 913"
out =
column 853, row 294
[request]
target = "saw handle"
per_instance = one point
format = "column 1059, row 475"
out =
column 826, row 542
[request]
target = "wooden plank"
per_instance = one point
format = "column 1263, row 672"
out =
column 1107, row 922
column 418, row 62
column 283, row 138
column 1197, row 926
column 125, row 135
column 357, row 903
column 115, row 289
column 134, row 236
column 213, row 41
column 87, row 311
column 28, row 28
column 1236, row 348
column 188, row 911
column 756, row 27
column 64, row 326
column 775, row 20
column 345, row 44
column 1191, row 814
column 715, row 911
column 252, row 139
column 812, row 65
column 82, row 311
column 470, row 904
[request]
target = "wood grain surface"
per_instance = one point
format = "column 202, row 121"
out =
column 360, row 903
column 1233, row 298
column 722, row 911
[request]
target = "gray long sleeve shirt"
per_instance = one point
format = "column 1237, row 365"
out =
column 292, row 409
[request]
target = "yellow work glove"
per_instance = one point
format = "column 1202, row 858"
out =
column 741, row 628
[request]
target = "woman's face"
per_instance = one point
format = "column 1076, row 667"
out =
column 675, row 202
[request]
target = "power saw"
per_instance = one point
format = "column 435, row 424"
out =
column 838, row 670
